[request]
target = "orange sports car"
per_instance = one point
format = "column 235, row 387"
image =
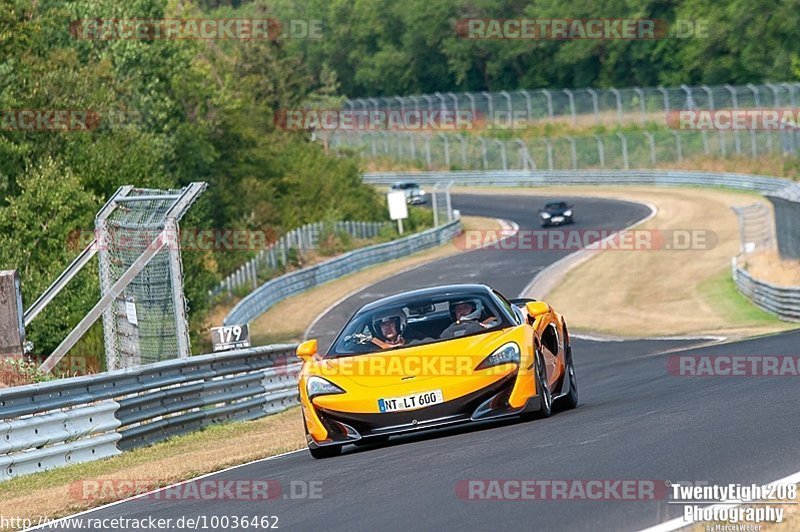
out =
column 432, row 358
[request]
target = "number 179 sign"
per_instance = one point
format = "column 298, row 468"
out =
column 233, row 337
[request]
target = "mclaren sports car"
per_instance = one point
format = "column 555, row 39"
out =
column 433, row 358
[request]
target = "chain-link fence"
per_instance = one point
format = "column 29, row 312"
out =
column 146, row 321
column 277, row 254
column 756, row 231
column 642, row 149
column 599, row 105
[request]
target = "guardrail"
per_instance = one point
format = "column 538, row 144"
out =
column 276, row 290
column 80, row 419
column 781, row 301
column 758, row 183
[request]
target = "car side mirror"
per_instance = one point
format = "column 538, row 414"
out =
column 536, row 309
column 307, row 350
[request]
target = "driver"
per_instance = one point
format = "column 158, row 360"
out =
column 388, row 329
column 465, row 314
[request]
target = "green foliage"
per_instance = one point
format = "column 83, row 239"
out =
column 18, row 371
column 171, row 112
column 385, row 47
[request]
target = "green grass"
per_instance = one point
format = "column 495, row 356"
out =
column 721, row 294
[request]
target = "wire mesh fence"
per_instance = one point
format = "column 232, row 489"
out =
column 146, row 321
column 639, row 149
column 598, row 105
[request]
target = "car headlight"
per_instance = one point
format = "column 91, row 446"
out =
column 568, row 212
column 421, row 192
column 318, row 386
column 507, row 353
column 545, row 215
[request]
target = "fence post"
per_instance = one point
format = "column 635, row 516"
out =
column 617, row 95
column 652, row 142
column 463, row 142
column 490, row 105
column 503, row 157
column 601, row 153
column 625, row 160
column 508, row 101
column 639, row 92
column 666, row 99
column 472, row 108
column 549, row 147
column 571, row 105
column 573, row 152
column 484, row 153
column 549, row 102
column 525, row 156
column 434, row 205
column 678, row 146
column 595, row 104
column 428, row 150
column 446, row 150
column 528, row 107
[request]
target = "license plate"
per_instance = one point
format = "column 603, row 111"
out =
column 411, row 402
column 558, row 218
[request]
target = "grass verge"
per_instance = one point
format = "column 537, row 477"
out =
column 71, row 489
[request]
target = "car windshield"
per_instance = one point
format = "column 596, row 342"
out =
column 556, row 206
column 419, row 321
column 404, row 186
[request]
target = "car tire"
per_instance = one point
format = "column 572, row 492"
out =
column 328, row 451
column 570, row 401
column 546, row 398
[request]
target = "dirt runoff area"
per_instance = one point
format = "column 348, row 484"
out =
column 659, row 292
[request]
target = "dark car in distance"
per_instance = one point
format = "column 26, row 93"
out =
column 556, row 213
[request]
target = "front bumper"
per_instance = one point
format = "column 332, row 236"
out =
column 487, row 403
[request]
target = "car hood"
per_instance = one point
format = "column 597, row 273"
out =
column 458, row 356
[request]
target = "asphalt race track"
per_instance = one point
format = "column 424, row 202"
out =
column 635, row 421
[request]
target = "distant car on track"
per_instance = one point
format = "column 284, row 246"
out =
column 415, row 195
column 556, row 213
column 434, row 357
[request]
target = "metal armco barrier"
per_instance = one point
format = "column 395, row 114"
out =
column 781, row 301
column 57, row 423
column 276, row 290
column 758, row 183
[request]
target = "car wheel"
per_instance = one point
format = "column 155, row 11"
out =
column 570, row 400
column 546, row 398
column 328, row 451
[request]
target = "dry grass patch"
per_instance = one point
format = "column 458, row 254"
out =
column 288, row 320
column 59, row 492
column 664, row 292
column 769, row 266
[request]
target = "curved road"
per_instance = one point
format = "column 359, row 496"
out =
column 635, row 421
